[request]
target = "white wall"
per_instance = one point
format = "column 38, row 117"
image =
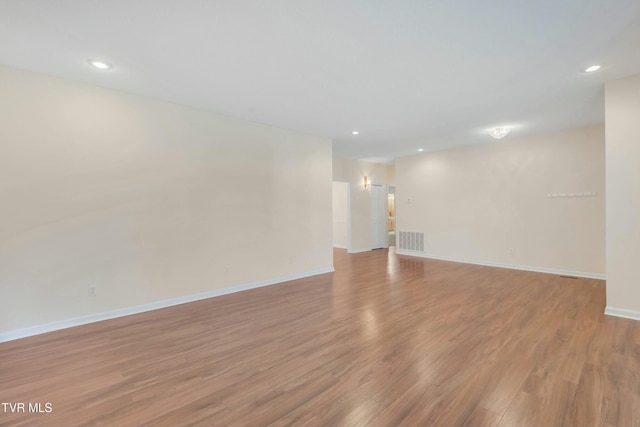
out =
column 488, row 203
column 622, row 107
column 146, row 200
column 353, row 171
column 340, row 214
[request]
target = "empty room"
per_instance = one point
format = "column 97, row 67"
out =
column 319, row 213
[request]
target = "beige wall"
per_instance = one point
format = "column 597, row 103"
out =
column 146, row 200
column 353, row 171
column 391, row 174
column 340, row 214
column 488, row 203
column 622, row 101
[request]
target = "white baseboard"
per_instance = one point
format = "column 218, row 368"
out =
column 357, row 251
column 584, row 274
column 621, row 312
column 97, row 317
column 335, row 245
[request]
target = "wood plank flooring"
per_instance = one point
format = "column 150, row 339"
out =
column 386, row 340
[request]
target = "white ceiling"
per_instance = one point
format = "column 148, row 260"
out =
column 407, row 74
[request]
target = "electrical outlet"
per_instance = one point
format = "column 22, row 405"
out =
column 511, row 251
column 92, row 291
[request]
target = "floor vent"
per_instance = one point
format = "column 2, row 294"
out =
column 411, row 241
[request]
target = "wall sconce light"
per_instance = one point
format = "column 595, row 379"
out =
column 366, row 182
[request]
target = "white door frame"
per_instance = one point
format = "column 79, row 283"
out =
column 383, row 222
column 349, row 240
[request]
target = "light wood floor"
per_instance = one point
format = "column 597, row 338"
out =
column 385, row 341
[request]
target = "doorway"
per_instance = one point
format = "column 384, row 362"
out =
column 378, row 217
column 341, row 215
column 392, row 214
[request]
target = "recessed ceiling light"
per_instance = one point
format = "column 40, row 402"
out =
column 499, row 132
column 592, row 69
column 420, row 149
column 355, row 132
column 100, row 64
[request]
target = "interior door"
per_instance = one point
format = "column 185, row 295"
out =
column 378, row 217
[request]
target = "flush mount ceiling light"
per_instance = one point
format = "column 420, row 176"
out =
column 499, row 133
column 592, row 68
column 101, row 65
column 420, row 149
column 355, row 132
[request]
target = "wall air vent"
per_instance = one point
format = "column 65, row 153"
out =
column 411, row 241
